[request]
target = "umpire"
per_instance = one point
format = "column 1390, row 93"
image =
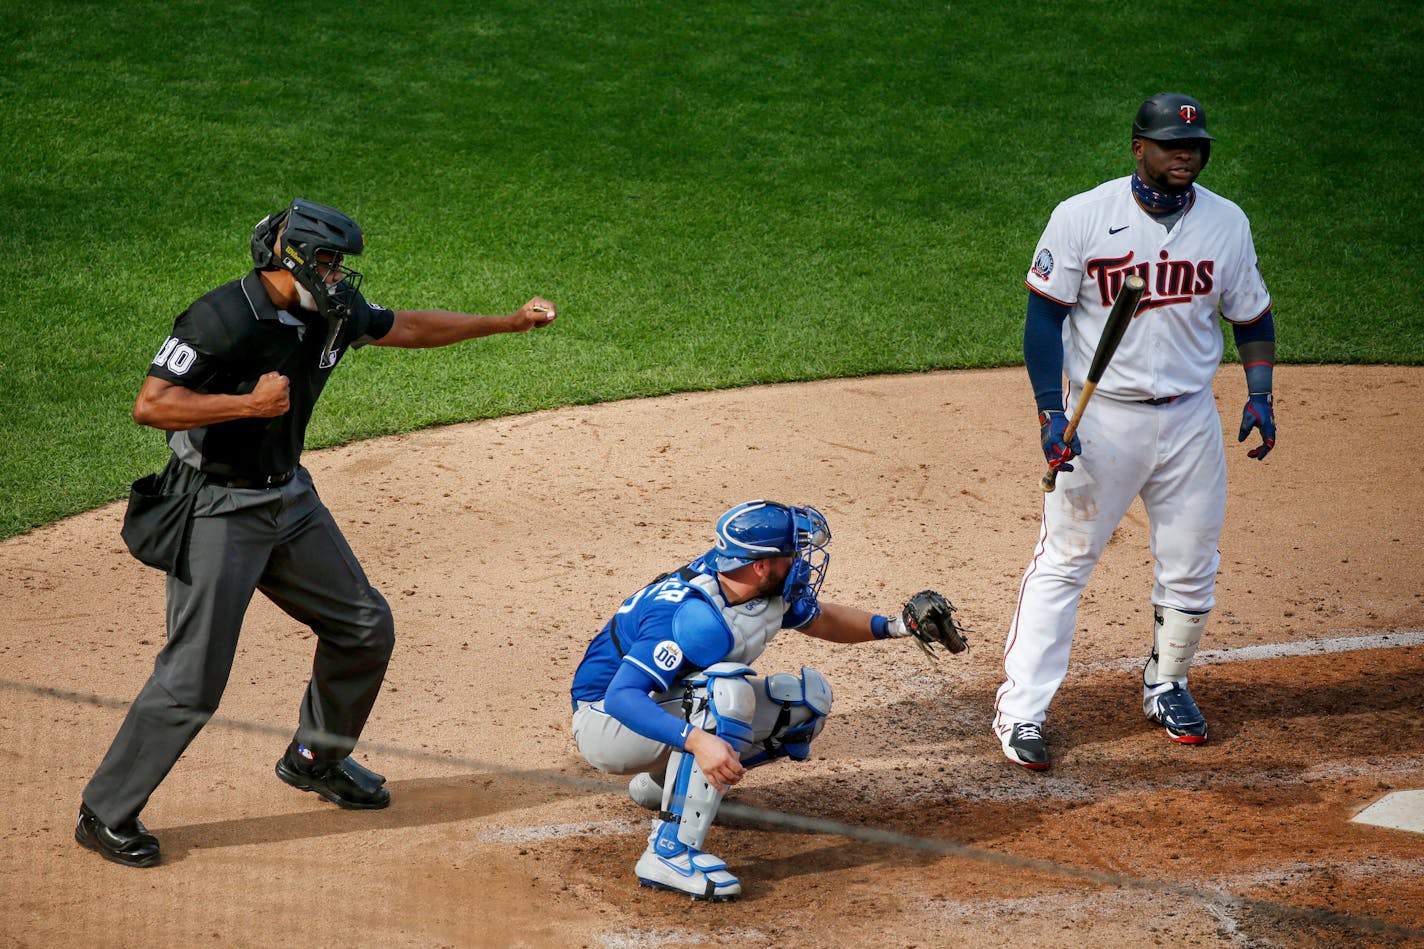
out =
column 234, row 511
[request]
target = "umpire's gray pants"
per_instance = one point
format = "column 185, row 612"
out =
column 284, row 542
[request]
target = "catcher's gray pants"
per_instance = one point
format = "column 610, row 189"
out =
column 610, row 746
column 284, row 542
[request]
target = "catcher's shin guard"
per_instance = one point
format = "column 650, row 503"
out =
column 720, row 700
column 1176, row 635
column 723, row 702
column 804, row 701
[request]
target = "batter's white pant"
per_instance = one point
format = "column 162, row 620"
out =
column 1173, row 457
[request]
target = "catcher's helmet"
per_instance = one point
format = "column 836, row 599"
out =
column 308, row 230
column 1170, row 117
column 758, row 530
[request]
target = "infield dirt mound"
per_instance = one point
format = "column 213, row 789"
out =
column 503, row 545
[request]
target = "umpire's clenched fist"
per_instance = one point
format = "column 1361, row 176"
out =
column 271, row 396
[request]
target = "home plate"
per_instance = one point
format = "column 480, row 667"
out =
column 1402, row 810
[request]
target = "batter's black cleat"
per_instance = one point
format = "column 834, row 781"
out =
column 1177, row 711
column 344, row 783
column 130, row 843
column 1023, row 744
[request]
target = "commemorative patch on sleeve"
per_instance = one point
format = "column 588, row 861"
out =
column 1043, row 264
column 667, row 656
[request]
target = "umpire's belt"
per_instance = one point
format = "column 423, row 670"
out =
column 252, row 481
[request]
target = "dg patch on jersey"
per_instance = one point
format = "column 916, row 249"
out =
column 667, row 655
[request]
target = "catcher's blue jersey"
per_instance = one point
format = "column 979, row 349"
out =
column 677, row 625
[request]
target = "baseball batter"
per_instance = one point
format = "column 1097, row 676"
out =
column 1152, row 429
column 234, row 512
column 666, row 691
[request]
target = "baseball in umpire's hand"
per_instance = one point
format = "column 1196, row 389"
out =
column 271, row 395
column 535, row 314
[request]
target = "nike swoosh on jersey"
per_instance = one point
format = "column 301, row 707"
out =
column 1114, row 230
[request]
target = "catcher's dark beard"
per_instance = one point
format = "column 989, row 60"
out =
column 771, row 586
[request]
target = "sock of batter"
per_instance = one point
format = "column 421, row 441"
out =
column 1175, row 638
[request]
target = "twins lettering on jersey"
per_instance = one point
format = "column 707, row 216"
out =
column 1168, row 281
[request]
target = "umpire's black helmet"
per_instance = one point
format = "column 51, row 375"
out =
column 308, row 229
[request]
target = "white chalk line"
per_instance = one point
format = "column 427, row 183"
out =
column 538, row 832
column 1307, row 647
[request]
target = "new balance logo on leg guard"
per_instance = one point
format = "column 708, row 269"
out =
column 646, row 791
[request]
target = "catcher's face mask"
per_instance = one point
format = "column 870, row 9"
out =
column 808, row 571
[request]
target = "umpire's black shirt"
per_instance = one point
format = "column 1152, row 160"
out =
column 229, row 338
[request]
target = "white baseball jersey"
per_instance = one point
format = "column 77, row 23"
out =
column 1206, row 263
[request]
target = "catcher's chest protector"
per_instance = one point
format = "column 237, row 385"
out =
column 754, row 624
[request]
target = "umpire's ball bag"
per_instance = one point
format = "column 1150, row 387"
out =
column 156, row 525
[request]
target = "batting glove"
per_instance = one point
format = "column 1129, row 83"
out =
column 1259, row 413
column 1051, row 426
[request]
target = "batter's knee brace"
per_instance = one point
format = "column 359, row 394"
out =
column 804, row 701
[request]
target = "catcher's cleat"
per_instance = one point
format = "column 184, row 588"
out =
column 1177, row 711
column 646, row 791
column 698, row 874
column 1023, row 744
column 344, row 783
column 129, row 844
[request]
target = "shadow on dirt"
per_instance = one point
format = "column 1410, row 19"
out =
column 414, row 803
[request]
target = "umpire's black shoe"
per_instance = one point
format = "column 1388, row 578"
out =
column 344, row 783
column 130, row 843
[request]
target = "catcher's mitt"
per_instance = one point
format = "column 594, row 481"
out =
column 929, row 617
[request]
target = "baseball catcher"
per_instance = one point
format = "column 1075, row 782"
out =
column 666, row 692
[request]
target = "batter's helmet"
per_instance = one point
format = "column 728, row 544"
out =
column 1170, row 117
column 309, row 229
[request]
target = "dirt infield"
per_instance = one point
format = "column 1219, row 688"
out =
column 503, row 545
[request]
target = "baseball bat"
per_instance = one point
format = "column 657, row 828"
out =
column 1123, row 309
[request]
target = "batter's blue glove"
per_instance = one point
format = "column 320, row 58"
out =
column 1051, row 426
column 1259, row 413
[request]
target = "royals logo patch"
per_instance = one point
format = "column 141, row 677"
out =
column 1043, row 264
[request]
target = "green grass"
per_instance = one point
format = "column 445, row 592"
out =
column 716, row 194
